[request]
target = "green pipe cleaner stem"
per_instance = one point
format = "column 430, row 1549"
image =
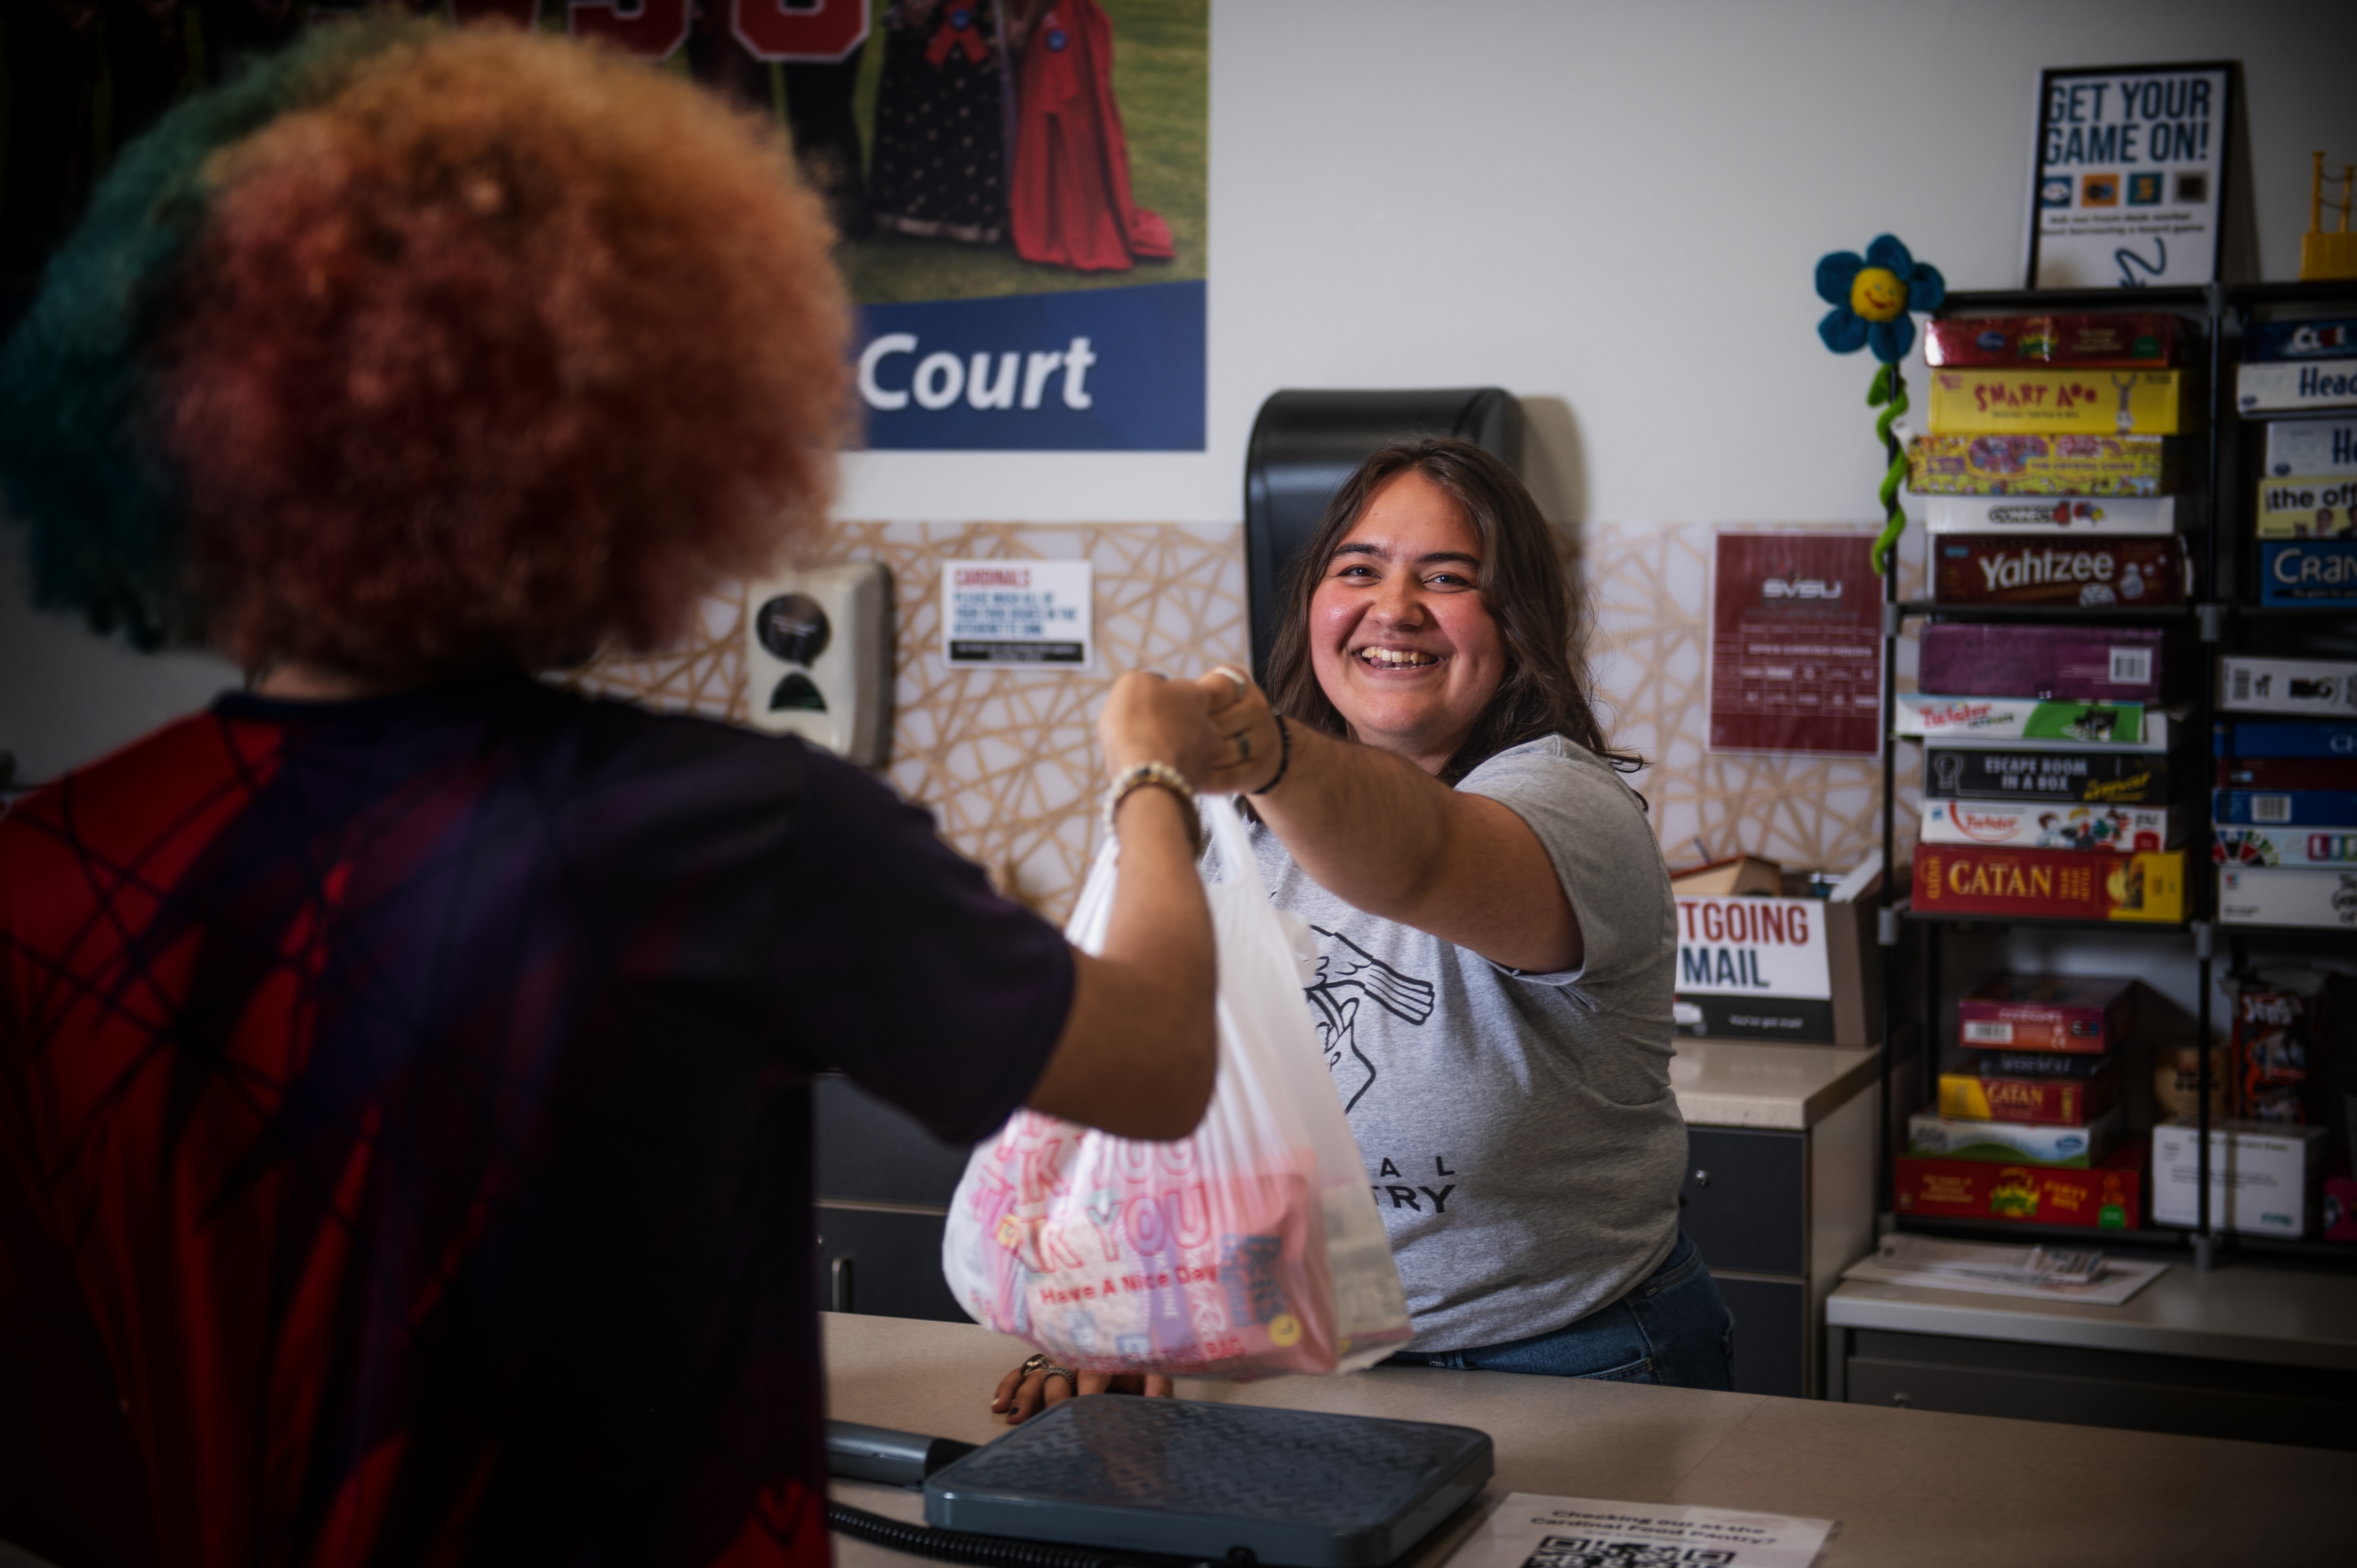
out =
column 1889, row 387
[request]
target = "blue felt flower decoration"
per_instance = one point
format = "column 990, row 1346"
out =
column 1871, row 296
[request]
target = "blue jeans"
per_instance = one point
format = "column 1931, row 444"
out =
column 1672, row 1328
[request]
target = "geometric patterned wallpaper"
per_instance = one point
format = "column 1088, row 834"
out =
column 1006, row 760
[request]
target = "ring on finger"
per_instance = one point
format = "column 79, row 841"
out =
column 1237, row 675
column 1046, row 1368
column 1243, row 745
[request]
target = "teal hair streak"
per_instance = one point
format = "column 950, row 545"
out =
column 81, row 464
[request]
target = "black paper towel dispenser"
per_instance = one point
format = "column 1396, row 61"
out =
column 1305, row 444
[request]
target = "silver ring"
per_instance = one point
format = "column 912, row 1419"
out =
column 1040, row 1364
column 1243, row 745
column 1237, row 675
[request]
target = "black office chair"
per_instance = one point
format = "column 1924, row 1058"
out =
column 1305, row 444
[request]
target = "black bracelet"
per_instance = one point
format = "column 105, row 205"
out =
column 1284, row 755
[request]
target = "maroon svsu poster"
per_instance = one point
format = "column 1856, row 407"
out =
column 1796, row 645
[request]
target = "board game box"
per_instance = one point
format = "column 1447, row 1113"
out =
column 2092, row 466
column 2053, row 1102
column 2312, row 896
column 2129, row 339
column 2306, row 506
column 2327, row 446
column 2322, row 740
column 2284, row 808
column 2052, row 402
column 2326, row 688
column 2001, row 569
column 2127, row 517
column 2050, row 884
column 2026, row 773
column 2053, row 824
column 2064, row 663
column 2327, row 847
column 2294, row 384
column 2308, row 572
column 2081, row 1014
column 2032, row 1143
column 2108, row 1197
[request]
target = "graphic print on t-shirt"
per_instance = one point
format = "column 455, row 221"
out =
column 1402, row 995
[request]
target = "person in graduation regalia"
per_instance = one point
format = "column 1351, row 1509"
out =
column 1071, row 204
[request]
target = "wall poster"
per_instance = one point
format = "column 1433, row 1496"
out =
column 1796, row 645
column 1021, row 203
column 2125, row 175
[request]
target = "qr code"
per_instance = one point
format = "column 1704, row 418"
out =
column 1570, row 1551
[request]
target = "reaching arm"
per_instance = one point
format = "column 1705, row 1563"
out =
column 1139, row 1048
column 1384, row 836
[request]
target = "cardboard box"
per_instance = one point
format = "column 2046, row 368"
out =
column 2257, row 737
column 2294, row 384
column 2264, row 1181
column 2011, row 1143
column 2041, row 465
column 2275, row 340
column 2045, row 1101
column 2050, row 884
column 2284, row 808
column 2322, row 847
column 2054, row 824
column 1961, row 720
column 2129, row 339
column 1799, row 970
column 2081, row 1014
column 2142, row 664
column 2310, row 447
column 2008, row 569
column 2325, row 688
column 2055, row 402
column 2074, row 517
column 2318, row 898
column 2047, row 773
column 2308, row 572
column 2305, row 506
column 2110, row 1196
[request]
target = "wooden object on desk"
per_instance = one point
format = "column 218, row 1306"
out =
column 1912, row 1488
column 1732, row 877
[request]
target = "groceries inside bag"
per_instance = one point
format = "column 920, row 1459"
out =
column 1248, row 1249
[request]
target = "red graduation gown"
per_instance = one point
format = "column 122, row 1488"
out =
column 1070, row 204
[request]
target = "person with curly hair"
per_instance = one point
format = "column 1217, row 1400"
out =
column 404, row 1065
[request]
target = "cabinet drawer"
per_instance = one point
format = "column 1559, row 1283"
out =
column 886, row 1264
column 1771, row 1336
column 1743, row 1196
column 871, row 1151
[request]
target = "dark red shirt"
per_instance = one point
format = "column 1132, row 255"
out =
column 404, row 1126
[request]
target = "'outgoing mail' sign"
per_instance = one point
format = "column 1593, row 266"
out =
column 1754, row 968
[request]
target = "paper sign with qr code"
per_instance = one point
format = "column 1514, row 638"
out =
column 1529, row 1531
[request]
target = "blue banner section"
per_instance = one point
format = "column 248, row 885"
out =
column 1113, row 369
column 2309, row 572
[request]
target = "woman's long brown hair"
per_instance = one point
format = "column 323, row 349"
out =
column 1523, row 585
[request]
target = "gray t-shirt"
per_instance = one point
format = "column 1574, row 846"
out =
column 1518, row 1129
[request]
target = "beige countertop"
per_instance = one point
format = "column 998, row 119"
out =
column 1734, row 1084
column 2242, row 1311
column 1913, row 1487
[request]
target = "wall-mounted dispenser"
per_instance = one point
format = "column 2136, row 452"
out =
column 818, row 657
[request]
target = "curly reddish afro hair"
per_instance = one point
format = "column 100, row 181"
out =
column 481, row 347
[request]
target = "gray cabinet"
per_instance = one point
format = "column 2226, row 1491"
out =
column 884, row 1186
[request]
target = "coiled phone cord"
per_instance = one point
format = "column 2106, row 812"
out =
column 960, row 1546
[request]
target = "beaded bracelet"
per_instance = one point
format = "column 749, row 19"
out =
column 1284, row 755
column 1155, row 775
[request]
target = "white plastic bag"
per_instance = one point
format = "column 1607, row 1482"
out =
column 1248, row 1249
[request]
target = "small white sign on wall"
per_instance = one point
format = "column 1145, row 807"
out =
column 1017, row 611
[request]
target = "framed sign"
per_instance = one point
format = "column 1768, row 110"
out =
column 2127, row 175
column 1796, row 645
column 1018, row 612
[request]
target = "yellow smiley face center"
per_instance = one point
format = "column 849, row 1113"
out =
column 1878, row 295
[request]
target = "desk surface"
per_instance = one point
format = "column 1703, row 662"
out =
column 1914, row 1488
column 1736, row 1083
column 2284, row 1315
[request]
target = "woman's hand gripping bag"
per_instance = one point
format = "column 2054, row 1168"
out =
column 1248, row 1249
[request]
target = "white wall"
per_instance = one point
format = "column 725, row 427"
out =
column 1617, row 207
column 1614, row 209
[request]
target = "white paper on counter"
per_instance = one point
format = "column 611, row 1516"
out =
column 1530, row 1530
column 2122, row 1279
